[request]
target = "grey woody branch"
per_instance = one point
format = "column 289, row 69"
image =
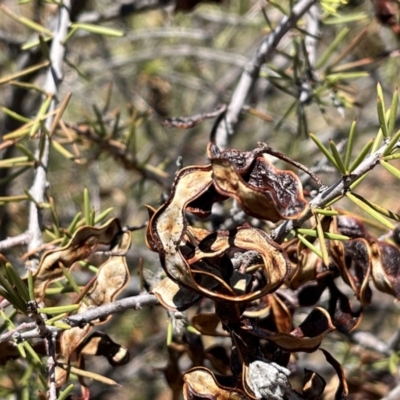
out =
column 30, row 330
column 326, row 195
column 53, row 79
column 252, row 71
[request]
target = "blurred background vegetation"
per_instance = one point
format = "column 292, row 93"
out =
column 152, row 60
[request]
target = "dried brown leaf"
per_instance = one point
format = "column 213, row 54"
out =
column 200, row 383
column 262, row 190
column 83, row 243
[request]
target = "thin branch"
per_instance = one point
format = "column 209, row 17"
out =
column 252, row 70
column 310, row 43
column 53, row 80
column 51, row 365
column 18, row 240
column 134, row 302
column 25, row 326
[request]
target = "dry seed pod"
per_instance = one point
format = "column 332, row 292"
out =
column 262, row 190
column 83, row 243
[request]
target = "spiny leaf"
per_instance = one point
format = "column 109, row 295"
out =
column 30, row 285
column 363, row 153
column 104, row 214
column 392, row 143
column 349, row 148
column 62, row 325
column 27, row 85
column 51, row 321
column 337, row 157
column 26, row 21
column 36, row 42
column 42, row 111
column 309, row 245
column 17, row 281
column 366, row 207
column 14, row 162
column 394, row 171
column 86, row 205
column 328, row 212
column 324, row 150
column 395, row 156
column 59, row 309
column 327, row 235
column 14, row 115
column 378, row 208
column 99, row 30
column 24, row 72
column 32, row 352
column 321, row 239
column 10, row 294
column 62, row 150
column 346, row 18
column 59, row 114
column 393, row 112
column 381, row 116
column 340, row 76
column 379, row 91
column 66, row 392
column 87, row 374
column 332, row 47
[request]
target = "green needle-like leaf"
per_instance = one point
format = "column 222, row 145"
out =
column 86, row 205
column 392, row 143
column 32, row 352
column 393, row 112
column 26, row 21
column 350, row 145
column 14, row 115
column 385, row 212
column 309, row 245
column 99, row 30
column 59, row 309
column 11, row 295
column 87, row 374
column 30, row 286
column 332, row 47
column 24, row 72
column 327, row 212
column 50, row 321
column 321, row 239
column 337, row 157
column 359, row 201
column 62, row 150
column 327, row 235
column 66, row 392
column 363, row 153
column 74, row 223
column 18, row 282
column 42, row 111
column 395, row 156
column 324, row 150
column 379, row 92
column 393, row 170
column 104, row 214
column 381, row 116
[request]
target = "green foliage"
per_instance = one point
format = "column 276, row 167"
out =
column 108, row 138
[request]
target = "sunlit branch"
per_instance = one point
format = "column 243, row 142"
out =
column 53, row 81
column 252, row 70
